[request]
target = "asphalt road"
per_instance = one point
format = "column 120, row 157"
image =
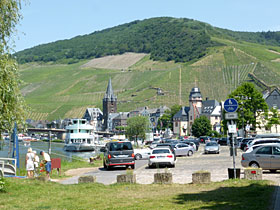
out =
column 217, row 164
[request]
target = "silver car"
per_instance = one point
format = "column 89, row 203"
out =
column 212, row 147
column 183, row 150
column 265, row 157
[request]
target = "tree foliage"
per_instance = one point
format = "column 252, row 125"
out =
column 166, row 120
column 12, row 105
column 164, row 38
column 137, row 127
column 201, row 126
column 251, row 105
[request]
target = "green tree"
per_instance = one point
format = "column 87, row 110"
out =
column 12, row 105
column 166, row 120
column 251, row 105
column 201, row 126
column 273, row 119
column 137, row 127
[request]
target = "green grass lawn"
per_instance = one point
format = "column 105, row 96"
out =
column 230, row 194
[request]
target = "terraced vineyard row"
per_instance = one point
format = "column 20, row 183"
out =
column 236, row 74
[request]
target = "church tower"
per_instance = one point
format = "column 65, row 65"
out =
column 109, row 104
column 195, row 102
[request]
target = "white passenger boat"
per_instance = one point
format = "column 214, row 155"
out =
column 79, row 136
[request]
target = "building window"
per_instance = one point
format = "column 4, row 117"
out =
column 191, row 117
column 176, row 124
column 216, row 117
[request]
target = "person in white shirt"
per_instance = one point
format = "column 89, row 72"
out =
column 47, row 161
column 29, row 162
column 36, row 163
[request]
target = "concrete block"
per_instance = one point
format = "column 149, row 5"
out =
column 253, row 173
column 163, row 178
column 86, row 179
column 201, row 177
column 126, row 178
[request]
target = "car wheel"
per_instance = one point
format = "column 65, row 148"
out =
column 138, row 157
column 150, row 166
column 218, row 152
column 254, row 165
column 190, row 153
column 133, row 166
column 272, row 170
column 172, row 165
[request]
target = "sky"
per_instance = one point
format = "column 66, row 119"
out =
column 47, row 21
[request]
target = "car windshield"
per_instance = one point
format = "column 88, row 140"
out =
column 211, row 144
column 119, row 146
column 161, row 151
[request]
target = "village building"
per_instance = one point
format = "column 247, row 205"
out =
column 272, row 99
column 94, row 116
column 184, row 119
column 181, row 122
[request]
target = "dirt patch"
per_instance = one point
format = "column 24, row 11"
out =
column 276, row 60
column 273, row 51
column 79, row 171
column 115, row 61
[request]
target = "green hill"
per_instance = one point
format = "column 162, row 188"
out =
column 216, row 60
column 165, row 38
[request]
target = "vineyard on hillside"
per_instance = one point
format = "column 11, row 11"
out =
column 235, row 75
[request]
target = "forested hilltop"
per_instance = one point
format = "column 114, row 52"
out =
column 164, row 38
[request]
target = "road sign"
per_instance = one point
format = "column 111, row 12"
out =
column 232, row 128
column 230, row 105
column 231, row 116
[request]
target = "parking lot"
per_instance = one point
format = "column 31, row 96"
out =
column 217, row 164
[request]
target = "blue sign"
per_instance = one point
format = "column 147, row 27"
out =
column 230, row 105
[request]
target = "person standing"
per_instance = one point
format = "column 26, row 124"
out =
column 36, row 163
column 47, row 161
column 29, row 162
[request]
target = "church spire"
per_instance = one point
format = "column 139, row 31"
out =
column 109, row 95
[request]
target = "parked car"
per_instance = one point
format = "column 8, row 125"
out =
column 261, row 141
column 118, row 153
column 171, row 146
column 223, row 141
column 266, row 157
column 153, row 145
column 212, row 147
column 161, row 156
column 142, row 153
column 191, row 140
column 183, row 150
column 204, row 139
column 243, row 143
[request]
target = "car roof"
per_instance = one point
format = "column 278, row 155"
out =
column 266, row 144
column 157, row 148
column 266, row 139
column 268, row 135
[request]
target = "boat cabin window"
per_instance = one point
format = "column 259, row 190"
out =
column 71, row 131
column 83, row 122
column 88, row 141
column 84, row 141
column 75, row 121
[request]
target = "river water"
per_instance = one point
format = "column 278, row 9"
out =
column 57, row 151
